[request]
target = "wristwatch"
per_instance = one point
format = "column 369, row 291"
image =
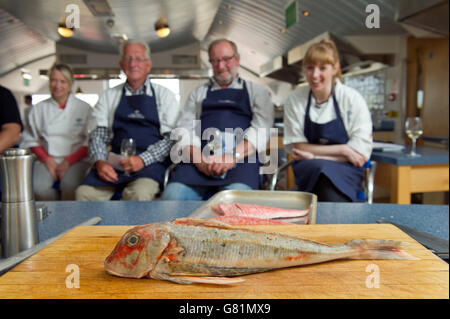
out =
column 236, row 155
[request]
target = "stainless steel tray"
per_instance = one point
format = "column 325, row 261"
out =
column 280, row 199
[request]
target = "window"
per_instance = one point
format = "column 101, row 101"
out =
column 171, row 84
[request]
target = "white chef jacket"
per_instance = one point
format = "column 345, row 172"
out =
column 166, row 103
column 59, row 131
column 354, row 112
column 260, row 104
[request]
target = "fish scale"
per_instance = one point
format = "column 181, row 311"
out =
column 226, row 247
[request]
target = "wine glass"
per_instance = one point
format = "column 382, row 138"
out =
column 413, row 128
column 215, row 142
column 127, row 149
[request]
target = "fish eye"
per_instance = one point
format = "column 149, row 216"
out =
column 132, row 240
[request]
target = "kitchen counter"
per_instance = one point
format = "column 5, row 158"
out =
column 403, row 175
column 428, row 155
column 43, row 275
column 63, row 215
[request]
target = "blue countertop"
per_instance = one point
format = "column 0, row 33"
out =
column 428, row 156
column 433, row 219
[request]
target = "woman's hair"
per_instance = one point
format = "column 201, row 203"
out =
column 323, row 52
column 65, row 70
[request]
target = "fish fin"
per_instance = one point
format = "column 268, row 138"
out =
column 202, row 222
column 187, row 280
column 210, row 280
column 379, row 249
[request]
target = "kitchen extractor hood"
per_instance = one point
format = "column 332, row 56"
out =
column 347, row 52
column 288, row 68
column 422, row 17
column 279, row 69
column 363, row 67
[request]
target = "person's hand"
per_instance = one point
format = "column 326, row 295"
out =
column 203, row 167
column 51, row 167
column 299, row 155
column 132, row 164
column 353, row 156
column 105, row 171
column 61, row 169
column 220, row 164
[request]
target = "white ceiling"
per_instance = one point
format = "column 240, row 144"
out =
column 28, row 27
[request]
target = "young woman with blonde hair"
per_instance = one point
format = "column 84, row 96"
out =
column 327, row 129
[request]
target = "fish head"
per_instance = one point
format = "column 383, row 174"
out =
column 137, row 252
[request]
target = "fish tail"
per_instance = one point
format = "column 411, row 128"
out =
column 379, row 249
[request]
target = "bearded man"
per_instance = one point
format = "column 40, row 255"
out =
column 225, row 104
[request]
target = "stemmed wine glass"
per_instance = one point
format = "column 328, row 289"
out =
column 128, row 148
column 215, row 143
column 413, row 128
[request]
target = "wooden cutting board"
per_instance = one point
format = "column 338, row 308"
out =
column 44, row 274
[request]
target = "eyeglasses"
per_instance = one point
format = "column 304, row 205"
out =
column 128, row 59
column 225, row 59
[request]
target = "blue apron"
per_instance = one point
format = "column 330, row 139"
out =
column 136, row 116
column 346, row 177
column 221, row 109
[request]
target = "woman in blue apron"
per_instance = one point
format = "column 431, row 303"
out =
column 330, row 154
column 135, row 117
column 221, row 109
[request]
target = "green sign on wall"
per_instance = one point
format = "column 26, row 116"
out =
column 291, row 14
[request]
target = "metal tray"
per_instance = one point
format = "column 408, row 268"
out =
column 280, row 199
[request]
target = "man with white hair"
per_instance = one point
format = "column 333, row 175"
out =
column 226, row 105
column 138, row 109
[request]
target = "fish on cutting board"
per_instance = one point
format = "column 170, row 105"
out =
column 257, row 211
column 187, row 251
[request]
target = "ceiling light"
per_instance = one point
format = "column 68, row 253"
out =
column 110, row 23
column 162, row 28
column 26, row 75
column 64, row 31
column 305, row 13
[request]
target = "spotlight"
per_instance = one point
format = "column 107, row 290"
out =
column 162, row 28
column 64, row 31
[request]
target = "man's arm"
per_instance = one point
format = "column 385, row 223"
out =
column 99, row 139
column 156, row 152
column 9, row 135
